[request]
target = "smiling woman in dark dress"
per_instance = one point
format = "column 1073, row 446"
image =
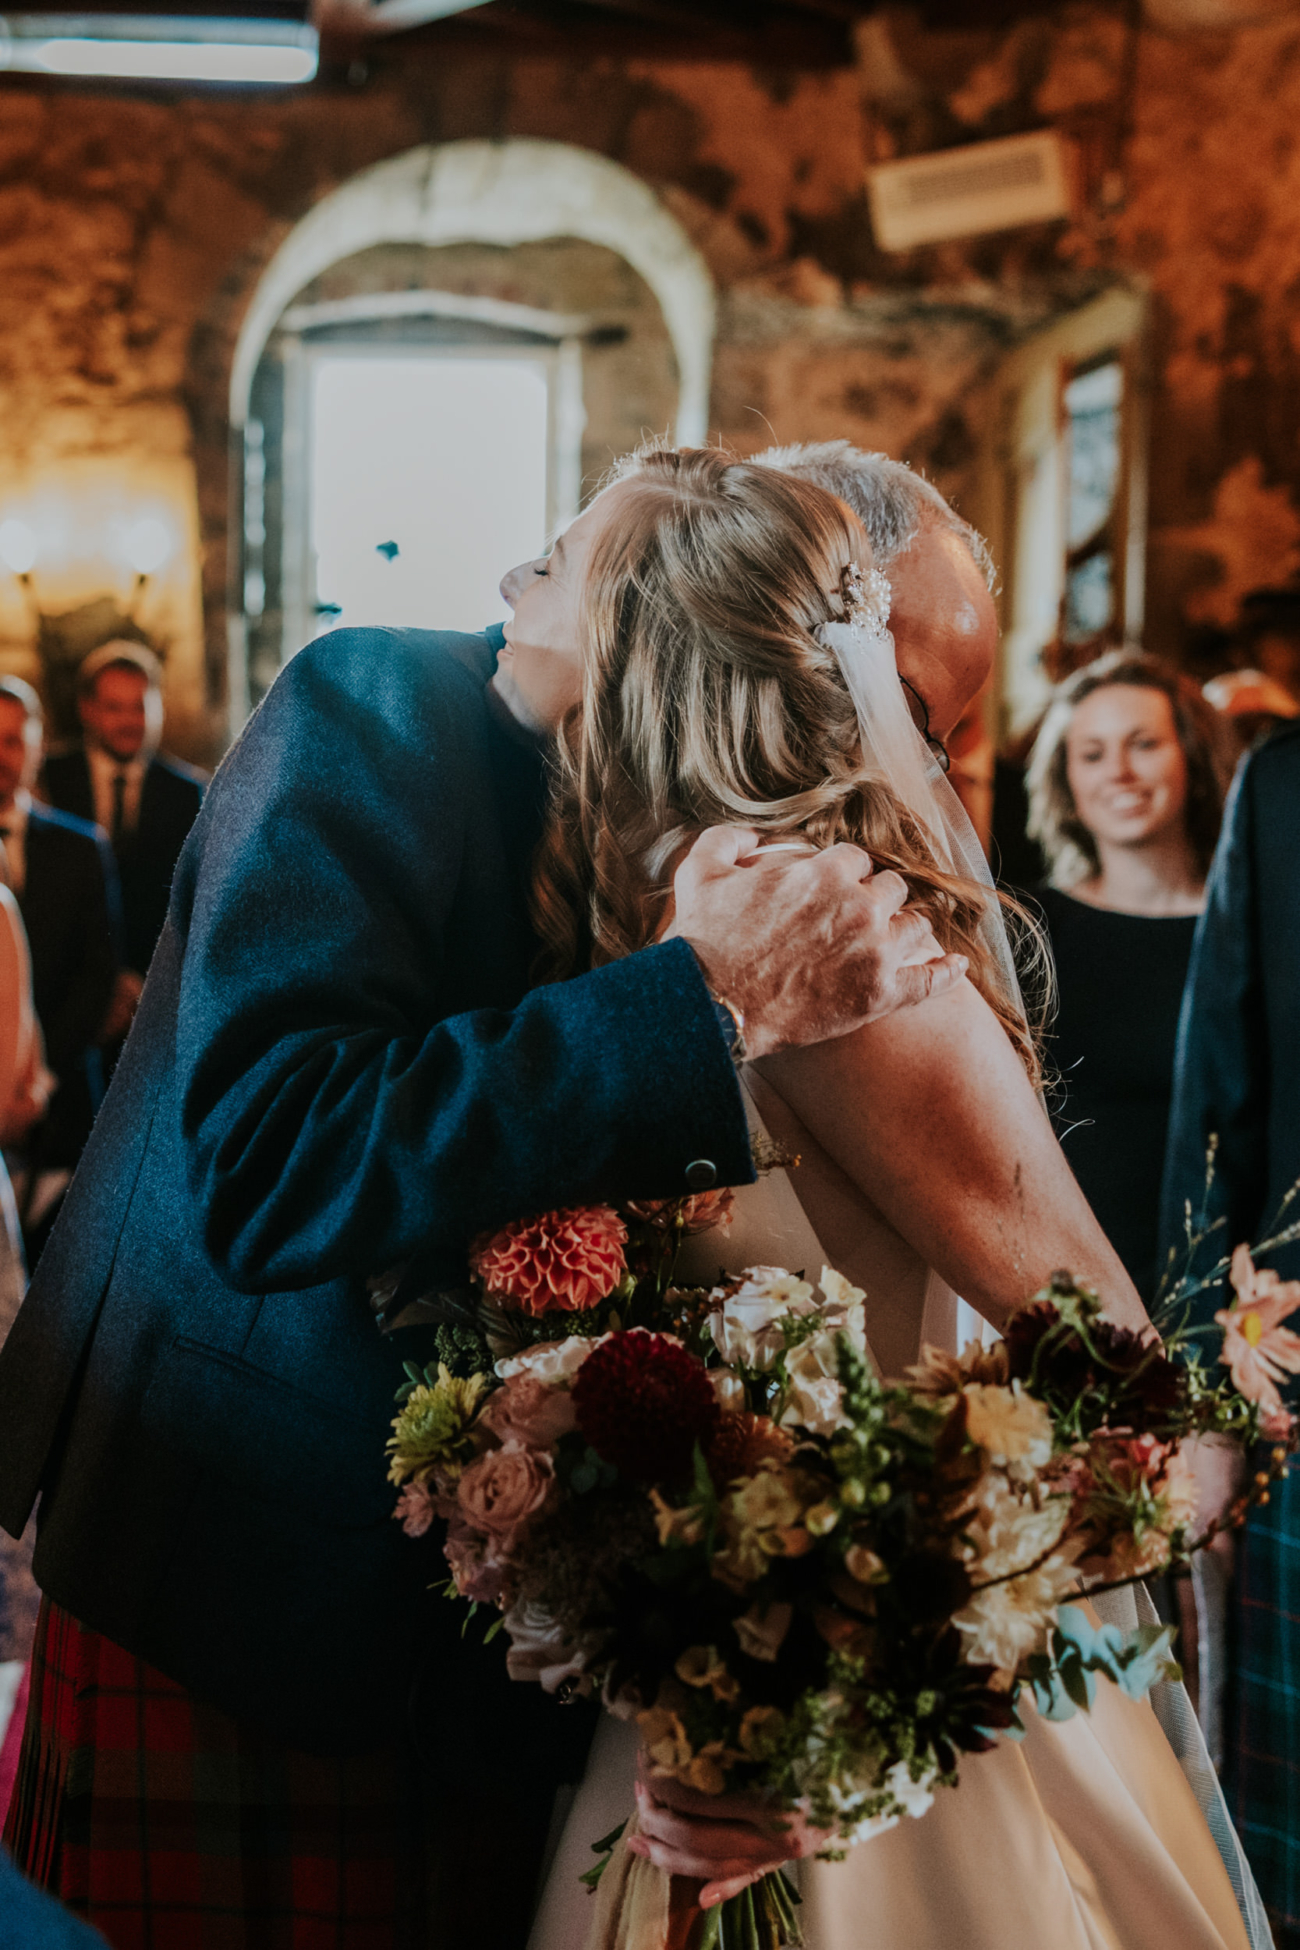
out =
column 1126, row 794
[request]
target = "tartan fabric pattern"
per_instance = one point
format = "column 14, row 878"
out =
column 170, row 1826
column 1264, row 1781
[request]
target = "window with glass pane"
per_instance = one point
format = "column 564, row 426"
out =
column 1094, row 400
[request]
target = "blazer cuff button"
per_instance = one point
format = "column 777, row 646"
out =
column 701, row 1175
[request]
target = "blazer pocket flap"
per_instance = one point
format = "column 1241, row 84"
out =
column 268, row 1439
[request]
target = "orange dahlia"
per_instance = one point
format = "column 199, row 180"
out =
column 560, row 1262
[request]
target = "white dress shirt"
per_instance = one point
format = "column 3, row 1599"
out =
column 14, row 823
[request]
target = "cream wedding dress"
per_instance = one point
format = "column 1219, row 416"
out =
column 1090, row 1834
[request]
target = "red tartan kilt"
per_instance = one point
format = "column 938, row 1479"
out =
column 170, row 1826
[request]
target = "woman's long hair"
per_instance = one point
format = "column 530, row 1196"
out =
column 708, row 700
column 1054, row 820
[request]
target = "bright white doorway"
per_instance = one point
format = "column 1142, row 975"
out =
column 427, row 478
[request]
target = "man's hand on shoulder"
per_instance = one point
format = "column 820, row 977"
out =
column 807, row 946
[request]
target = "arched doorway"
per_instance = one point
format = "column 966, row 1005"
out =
column 522, row 300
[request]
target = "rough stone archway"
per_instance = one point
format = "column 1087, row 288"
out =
column 510, row 192
column 507, row 192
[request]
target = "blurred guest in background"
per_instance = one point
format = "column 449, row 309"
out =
column 145, row 801
column 1017, row 860
column 1253, row 705
column 62, row 871
column 1238, row 1081
column 1268, row 635
column 1125, row 794
column 24, row 1091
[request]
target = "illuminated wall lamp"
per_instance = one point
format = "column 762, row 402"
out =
column 18, row 548
column 151, row 47
column 144, row 545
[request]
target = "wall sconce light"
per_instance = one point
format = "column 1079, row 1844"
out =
column 73, row 539
column 18, row 547
column 58, row 536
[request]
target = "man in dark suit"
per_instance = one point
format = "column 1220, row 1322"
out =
column 118, row 780
column 338, row 1068
column 1237, row 1079
column 62, row 871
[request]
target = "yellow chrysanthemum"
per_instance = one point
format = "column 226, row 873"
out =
column 434, row 1429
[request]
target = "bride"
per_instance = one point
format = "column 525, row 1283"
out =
column 710, row 638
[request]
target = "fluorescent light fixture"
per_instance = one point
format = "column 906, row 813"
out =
column 153, row 47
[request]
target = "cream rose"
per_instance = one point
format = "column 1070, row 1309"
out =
column 746, row 1326
column 549, row 1361
column 540, row 1650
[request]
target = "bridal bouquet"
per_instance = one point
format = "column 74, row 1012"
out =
column 803, row 1580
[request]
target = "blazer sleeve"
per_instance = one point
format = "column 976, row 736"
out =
column 332, row 1123
column 1221, row 1069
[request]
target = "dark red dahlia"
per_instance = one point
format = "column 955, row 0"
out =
column 1065, row 1350
column 643, row 1403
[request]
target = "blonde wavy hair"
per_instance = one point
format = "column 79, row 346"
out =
column 708, row 700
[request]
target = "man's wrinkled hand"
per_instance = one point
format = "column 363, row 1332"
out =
column 809, row 945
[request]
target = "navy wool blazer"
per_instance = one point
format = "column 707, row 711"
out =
column 170, row 796
column 1238, row 1069
column 337, row 1067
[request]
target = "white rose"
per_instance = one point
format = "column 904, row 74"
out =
column 816, row 1399
column 815, row 1403
column 745, row 1328
column 549, row 1361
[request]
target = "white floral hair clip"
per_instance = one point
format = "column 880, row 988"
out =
column 867, row 599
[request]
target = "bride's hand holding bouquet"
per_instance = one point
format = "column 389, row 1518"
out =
column 814, row 1590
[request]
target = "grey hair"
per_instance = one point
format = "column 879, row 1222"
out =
column 888, row 497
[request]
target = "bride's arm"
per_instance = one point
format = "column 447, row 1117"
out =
column 930, row 1113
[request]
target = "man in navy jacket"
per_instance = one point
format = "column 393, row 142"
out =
column 1237, row 1079
column 338, row 1068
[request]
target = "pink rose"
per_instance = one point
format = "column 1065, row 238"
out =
column 479, row 1573
column 529, row 1411
column 503, row 1488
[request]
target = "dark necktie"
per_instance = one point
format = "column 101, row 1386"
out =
column 119, row 807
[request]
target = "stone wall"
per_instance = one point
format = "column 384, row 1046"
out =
column 133, row 230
